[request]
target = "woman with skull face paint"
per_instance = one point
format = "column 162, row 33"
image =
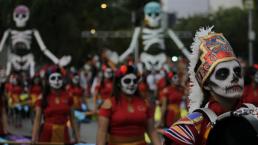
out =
column 105, row 87
column 171, row 98
column 217, row 85
column 55, row 107
column 125, row 116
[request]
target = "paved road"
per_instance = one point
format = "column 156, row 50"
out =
column 88, row 130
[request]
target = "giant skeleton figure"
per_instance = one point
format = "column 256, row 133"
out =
column 152, row 35
column 21, row 57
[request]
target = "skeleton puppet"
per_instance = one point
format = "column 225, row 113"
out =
column 152, row 35
column 21, row 57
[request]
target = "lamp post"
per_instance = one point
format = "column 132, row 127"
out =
column 249, row 4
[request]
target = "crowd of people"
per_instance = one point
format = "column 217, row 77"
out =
column 127, row 100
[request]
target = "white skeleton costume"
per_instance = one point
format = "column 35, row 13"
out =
column 21, row 57
column 152, row 35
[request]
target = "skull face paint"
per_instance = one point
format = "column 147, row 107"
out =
column 227, row 80
column 256, row 77
column 108, row 73
column 129, row 84
column 21, row 15
column 76, row 80
column 55, row 80
column 152, row 14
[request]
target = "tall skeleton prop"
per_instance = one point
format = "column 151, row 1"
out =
column 152, row 35
column 21, row 57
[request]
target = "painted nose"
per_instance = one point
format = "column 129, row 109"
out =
column 235, row 78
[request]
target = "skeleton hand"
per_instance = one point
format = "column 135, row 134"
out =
column 65, row 60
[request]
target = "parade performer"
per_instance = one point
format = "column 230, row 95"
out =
column 35, row 90
column 55, row 107
column 21, row 57
column 126, row 115
column 171, row 98
column 3, row 113
column 105, row 86
column 251, row 90
column 217, row 86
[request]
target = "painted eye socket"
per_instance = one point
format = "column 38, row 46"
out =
column 149, row 14
column 156, row 14
column 222, row 73
column 237, row 71
column 23, row 15
column 128, row 81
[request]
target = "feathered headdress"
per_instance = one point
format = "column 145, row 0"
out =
column 208, row 49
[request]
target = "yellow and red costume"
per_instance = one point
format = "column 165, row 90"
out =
column 35, row 92
column 76, row 92
column 56, row 115
column 128, row 119
column 173, row 95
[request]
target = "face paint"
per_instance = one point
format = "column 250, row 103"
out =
column 129, row 84
column 227, row 80
column 56, row 80
column 76, row 80
column 108, row 73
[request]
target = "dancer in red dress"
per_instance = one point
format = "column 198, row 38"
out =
column 55, row 107
column 126, row 116
column 171, row 98
column 35, row 90
column 3, row 113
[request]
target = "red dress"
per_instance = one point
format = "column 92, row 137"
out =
column 174, row 98
column 250, row 95
column 35, row 92
column 1, row 120
column 56, row 116
column 127, row 120
column 106, row 89
column 76, row 92
column 14, row 95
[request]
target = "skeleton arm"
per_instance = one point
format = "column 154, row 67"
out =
column 179, row 43
column 133, row 44
column 6, row 34
column 61, row 62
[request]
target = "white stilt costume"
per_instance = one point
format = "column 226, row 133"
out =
column 21, row 57
column 152, row 35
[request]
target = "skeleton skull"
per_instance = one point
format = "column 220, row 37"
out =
column 152, row 14
column 55, row 80
column 129, row 84
column 21, row 15
column 256, row 77
column 227, row 80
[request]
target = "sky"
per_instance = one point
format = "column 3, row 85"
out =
column 184, row 8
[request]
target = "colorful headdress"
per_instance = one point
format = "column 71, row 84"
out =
column 208, row 50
